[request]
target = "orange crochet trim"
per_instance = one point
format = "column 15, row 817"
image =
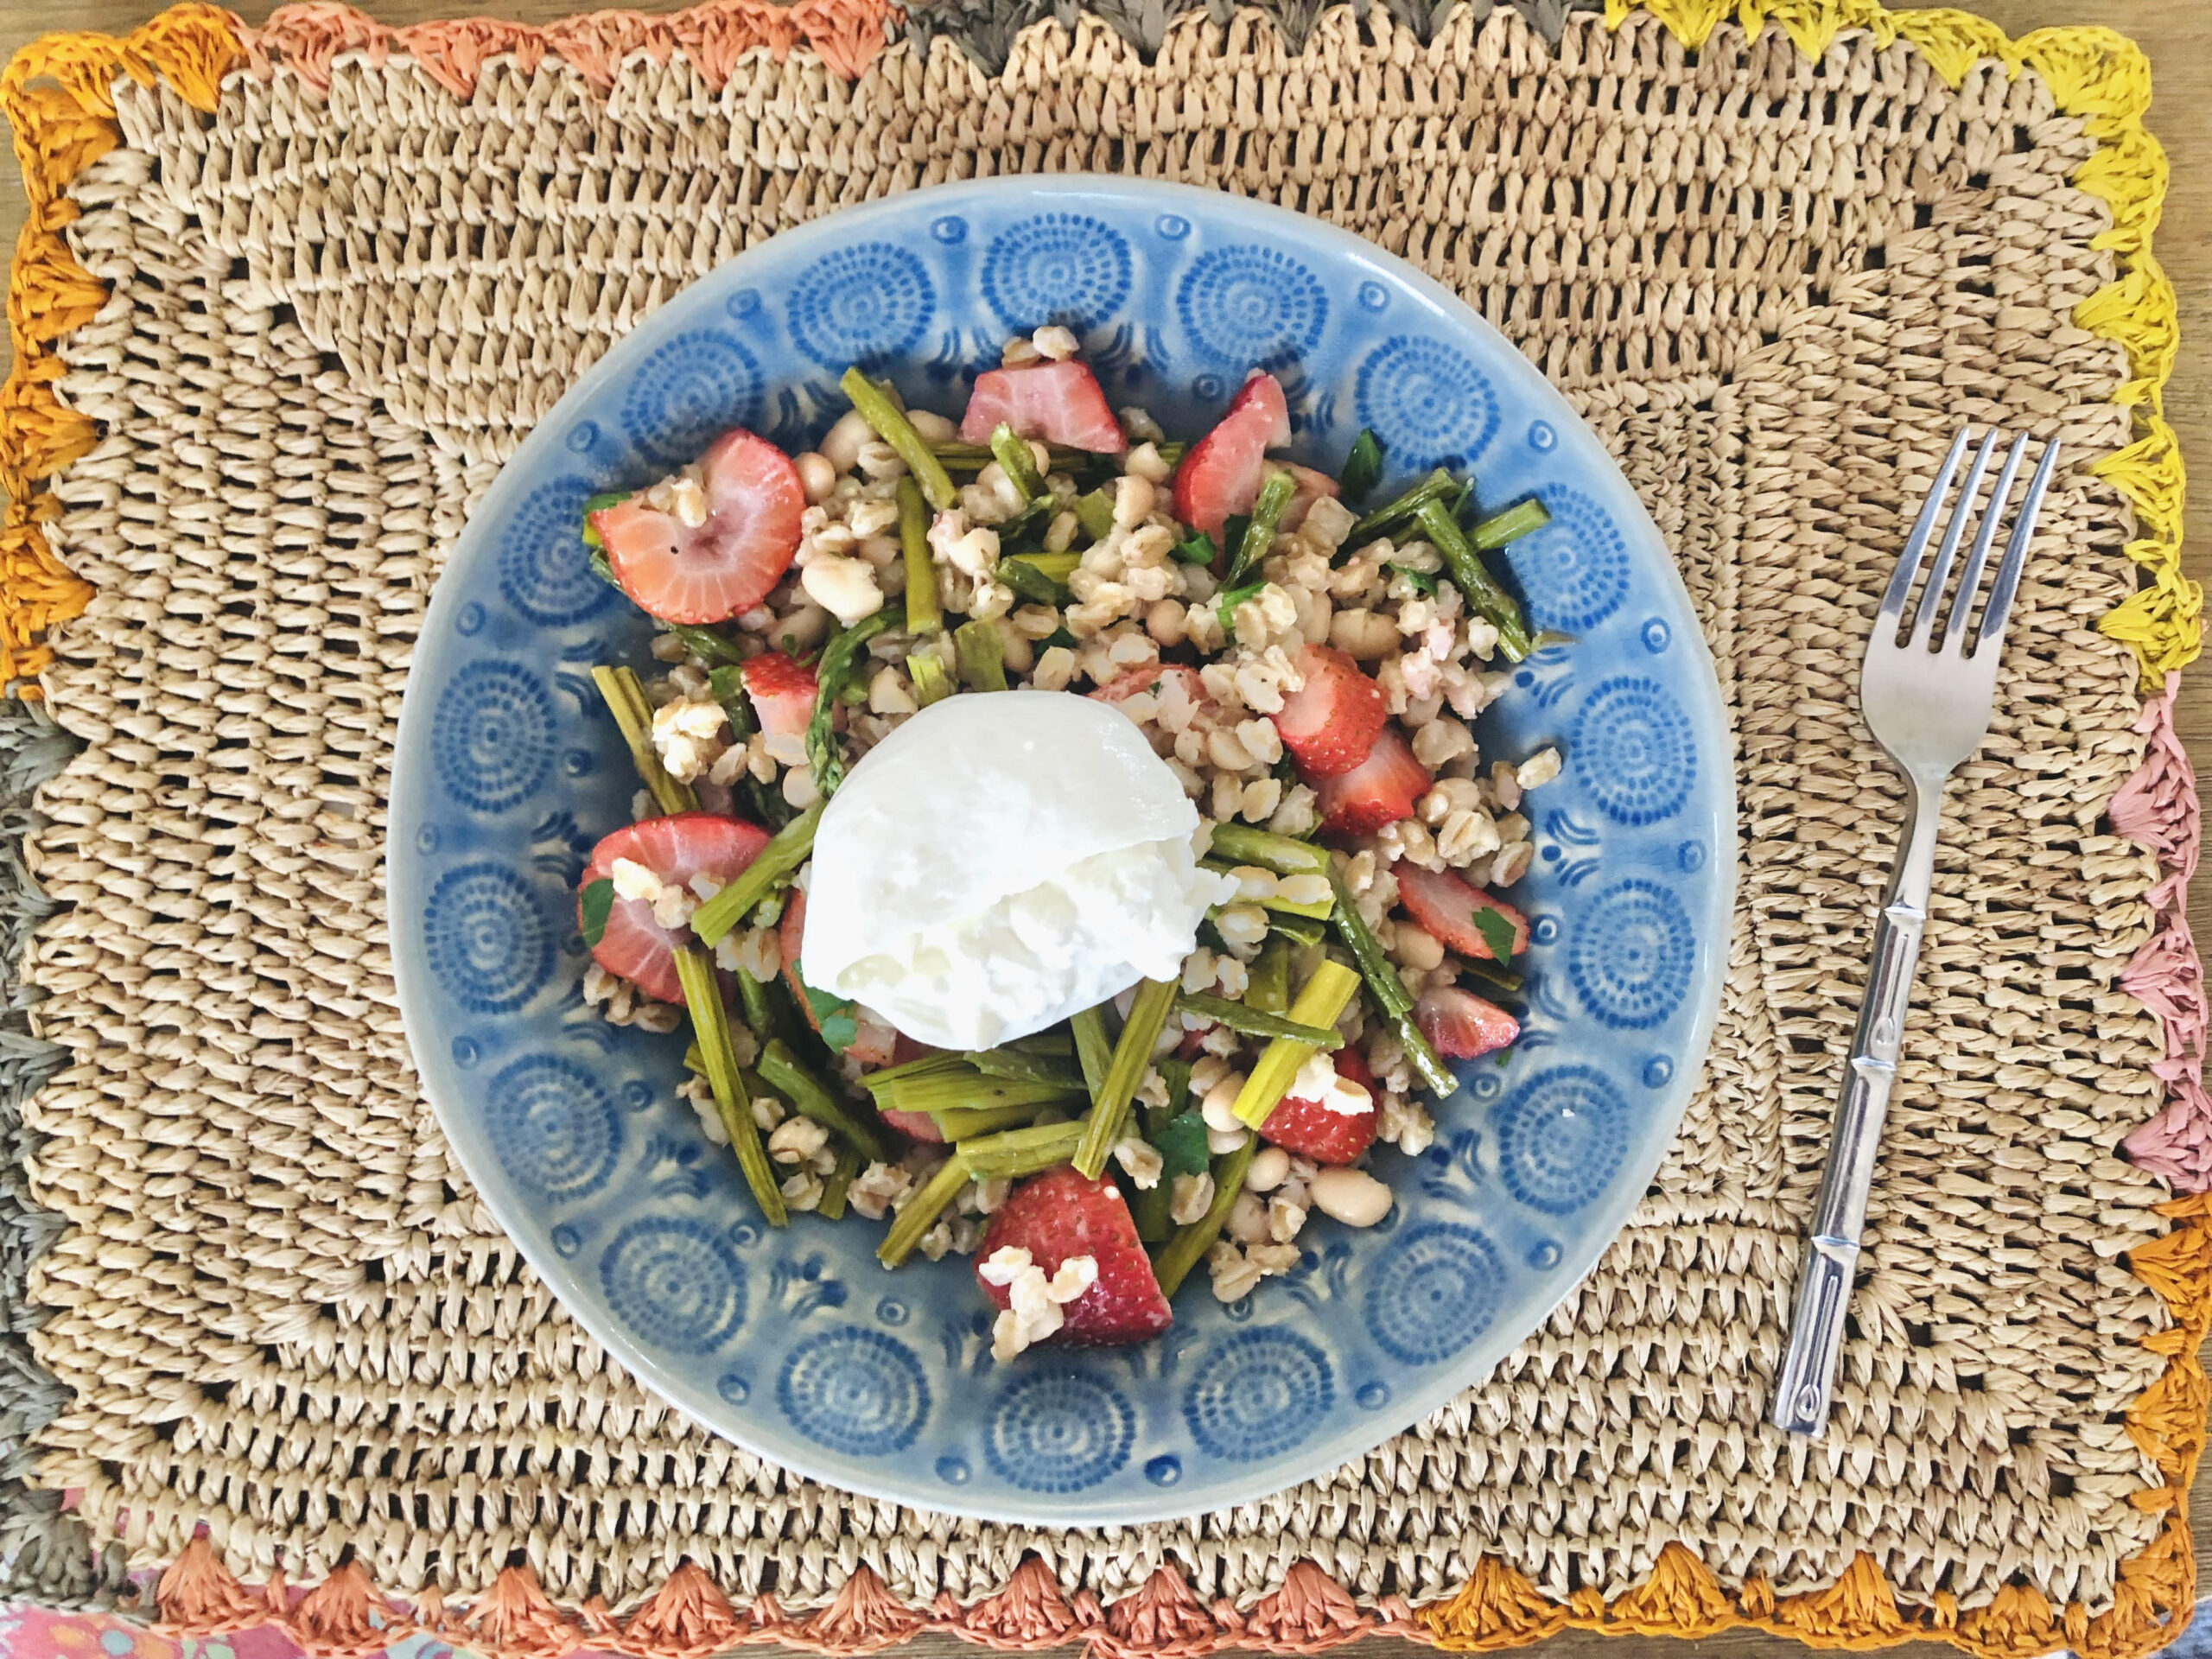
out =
column 57, row 96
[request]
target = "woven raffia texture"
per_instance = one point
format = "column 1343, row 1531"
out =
column 1773, row 285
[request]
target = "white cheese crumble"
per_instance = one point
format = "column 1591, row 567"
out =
column 1035, row 1313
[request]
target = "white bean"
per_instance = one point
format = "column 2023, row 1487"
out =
column 1351, row 1196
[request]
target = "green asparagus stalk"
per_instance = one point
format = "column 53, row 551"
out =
column 924, row 614
column 1012, row 456
column 1015, row 1153
column 1254, row 1022
column 1389, row 992
column 633, row 717
column 1267, row 987
column 1241, row 843
column 1483, row 595
column 1189, row 1246
column 1299, row 929
column 1062, row 1072
column 1109, row 1114
column 1026, row 574
column 1095, row 512
column 1094, row 1051
column 781, row 1070
column 1323, row 998
column 759, row 1013
column 1522, row 519
column 965, row 1123
column 879, row 1082
column 982, row 656
column 786, row 850
column 708, row 644
column 931, row 683
column 1439, row 485
column 970, row 1089
column 841, row 661
column 892, row 425
column 710, row 1024
column 921, row 1211
column 834, row 1190
column 1251, row 550
column 1055, row 1044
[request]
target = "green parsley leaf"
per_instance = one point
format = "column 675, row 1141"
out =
column 1198, row 549
column 1423, row 581
column 1225, row 606
column 1363, row 466
column 598, row 901
column 1496, row 931
column 835, row 1015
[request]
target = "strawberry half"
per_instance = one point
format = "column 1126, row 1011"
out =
column 1449, row 909
column 633, row 945
column 1223, row 472
column 782, row 692
column 709, row 572
column 1329, row 724
column 1311, row 1130
column 1312, row 487
column 1382, row 789
column 874, row 1041
column 1053, row 403
column 1060, row 1214
column 1461, row 1025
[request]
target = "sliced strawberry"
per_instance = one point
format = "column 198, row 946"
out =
column 1053, row 403
column 1445, row 907
column 915, row 1125
column 633, row 945
column 1151, row 680
column 1329, row 724
column 1461, row 1025
column 782, row 692
column 1223, row 472
column 874, row 1041
column 1382, row 789
column 789, row 937
column 1311, row 1130
column 1060, row 1214
column 1312, row 486
column 709, row 572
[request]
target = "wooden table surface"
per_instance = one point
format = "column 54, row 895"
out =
column 2177, row 36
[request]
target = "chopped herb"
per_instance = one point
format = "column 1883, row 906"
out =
column 1225, row 605
column 1496, row 931
column 1095, row 512
column 1250, row 549
column 1059, row 637
column 600, row 503
column 1195, row 549
column 598, row 901
column 1363, row 466
column 841, row 663
column 1422, row 581
column 834, row 1016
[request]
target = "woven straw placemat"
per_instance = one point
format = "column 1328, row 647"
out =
column 288, row 298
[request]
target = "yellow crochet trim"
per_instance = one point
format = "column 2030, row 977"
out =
column 2104, row 78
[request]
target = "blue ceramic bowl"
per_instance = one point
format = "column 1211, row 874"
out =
column 795, row 1342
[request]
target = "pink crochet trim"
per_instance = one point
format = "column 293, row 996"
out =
column 2157, row 809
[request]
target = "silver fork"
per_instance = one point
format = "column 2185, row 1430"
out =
column 1927, row 701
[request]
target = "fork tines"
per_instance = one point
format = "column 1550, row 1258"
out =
column 1931, row 609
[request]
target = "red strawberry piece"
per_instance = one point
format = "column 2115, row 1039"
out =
column 1150, row 681
column 633, row 945
column 1060, row 1214
column 1312, row 486
column 874, row 1041
column 1329, row 724
column 1379, row 790
column 782, row 692
column 709, row 572
column 1461, row 1025
column 1445, row 907
column 915, row 1125
column 1311, row 1130
column 1053, row 403
column 1223, row 470
column 790, row 935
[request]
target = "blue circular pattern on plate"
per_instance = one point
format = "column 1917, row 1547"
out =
column 554, row 1126
column 854, row 1391
column 861, row 304
column 1258, row 1394
column 1561, row 1137
column 1631, row 958
column 1575, row 571
column 685, row 392
column 1434, row 1291
column 1059, row 1432
column 1062, row 268
column 905, row 1405
column 1429, row 405
column 544, row 567
column 1248, row 308
column 1633, row 751
column 675, row 1283
column 492, row 738
column 489, row 945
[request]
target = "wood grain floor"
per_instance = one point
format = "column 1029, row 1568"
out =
column 2177, row 36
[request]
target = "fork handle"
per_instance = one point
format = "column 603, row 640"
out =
column 1806, row 1383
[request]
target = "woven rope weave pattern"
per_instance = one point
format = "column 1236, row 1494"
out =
column 288, row 446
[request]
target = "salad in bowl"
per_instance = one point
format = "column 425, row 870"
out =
column 1065, row 843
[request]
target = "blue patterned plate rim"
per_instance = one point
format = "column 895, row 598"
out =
column 1265, row 1366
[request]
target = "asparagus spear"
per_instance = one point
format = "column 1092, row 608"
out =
column 1253, row 1022
column 759, row 1013
column 1439, row 485
column 1093, row 1052
column 839, row 1184
column 1015, row 1153
column 1027, row 577
column 965, row 1123
column 710, row 1022
column 1266, row 512
column 931, row 683
column 1388, row 991
column 982, row 656
column 841, row 659
column 970, row 1089
column 1132, row 1055
column 633, row 715
column 708, row 644
column 1266, row 989
column 1095, row 512
column 782, row 1072
column 924, row 614
column 1189, row 1246
column 1241, row 843
column 1483, row 595
column 1060, row 1071
column 920, row 1212
column 786, row 850
column 892, row 425
column 886, row 1078
column 1322, row 1000
column 1012, row 453
column 1522, row 519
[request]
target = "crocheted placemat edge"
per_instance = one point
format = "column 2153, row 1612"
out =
column 57, row 95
